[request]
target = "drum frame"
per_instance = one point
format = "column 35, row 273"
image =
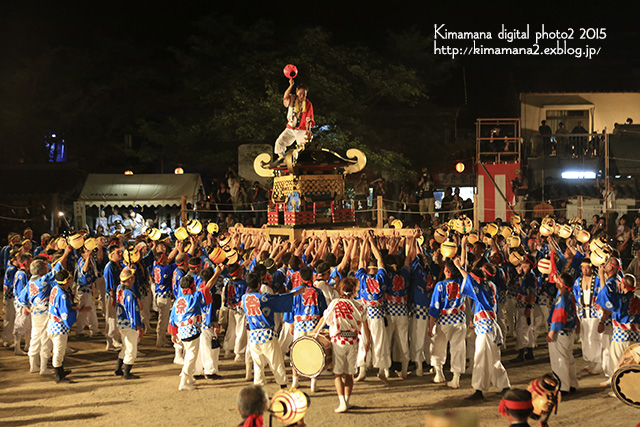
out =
column 319, row 343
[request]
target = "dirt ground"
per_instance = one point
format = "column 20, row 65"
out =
column 98, row 398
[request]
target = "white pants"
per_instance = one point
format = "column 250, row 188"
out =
column 164, row 311
column 90, row 318
column 455, row 335
column 145, row 310
column 59, row 342
column 487, row 367
column 344, row 358
column 507, row 316
column 240, row 345
column 100, row 287
column 112, row 333
column 617, row 350
column 285, row 338
column 9, row 318
column 190, row 356
column 562, row 362
column 420, row 341
column 129, row 349
column 526, row 337
column 267, row 352
column 398, row 329
column 40, row 342
column 608, row 364
column 22, row 323
column 208, row 356
column 591, row 343
column 230, row 330
column 288, row 137
column 380, row 348
column 540, row 316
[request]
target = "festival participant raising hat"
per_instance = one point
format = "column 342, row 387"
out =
column 37, row 301
column 585, row 292
column 233, row 290
column 525, row 327
column 62, row 316
column 562, row 323
column 111, row 281
column 259, row 309
column 162, row 275
column 129, row 323
column 487, row 368
column 186, row 322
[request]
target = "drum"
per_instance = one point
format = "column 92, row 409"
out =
column 626, row 380
column 309, row 356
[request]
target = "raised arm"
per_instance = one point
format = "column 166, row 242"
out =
column 286, row 98
column 376, row 254
column 459, row 265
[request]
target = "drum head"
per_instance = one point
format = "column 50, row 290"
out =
column 307, row 357
column 626, row 385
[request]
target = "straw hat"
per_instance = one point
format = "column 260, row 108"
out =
column 181, row 233
column 491, row 229
column 76, row 241
column 565, row 231
column 581, row 234
column 127, row 273
column 224, row 240
column 514, row 241
column 599, row 257
column 506, row 231
column 131, row 255
column 515, row 258
column 91, row 244
column 440, row 235
column 213, row 228
column 544, row 266
column 473, row 237
column 547, row 229
column 232, row 257
column 464, row 224
column 448, row 249
column 194, row 227
column 217, row 255
column 154, row 234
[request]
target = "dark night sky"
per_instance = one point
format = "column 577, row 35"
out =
column 492, row 82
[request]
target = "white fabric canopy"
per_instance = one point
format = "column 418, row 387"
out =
column 142, row 190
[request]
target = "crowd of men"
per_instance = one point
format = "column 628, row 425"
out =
column 415, row 303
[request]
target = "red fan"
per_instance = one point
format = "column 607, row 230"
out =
column 290, row 71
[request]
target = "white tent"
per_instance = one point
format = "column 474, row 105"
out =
column 141, row 190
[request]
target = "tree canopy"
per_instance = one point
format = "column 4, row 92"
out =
column 196, row 100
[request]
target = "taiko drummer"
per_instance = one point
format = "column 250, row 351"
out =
column 346, row 318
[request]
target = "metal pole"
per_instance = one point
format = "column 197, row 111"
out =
column 605, row 208
column 579, row 213
column 497, row 188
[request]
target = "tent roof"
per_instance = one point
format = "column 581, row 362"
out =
column 142, row 189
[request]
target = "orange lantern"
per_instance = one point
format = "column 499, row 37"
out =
column 460, row 167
